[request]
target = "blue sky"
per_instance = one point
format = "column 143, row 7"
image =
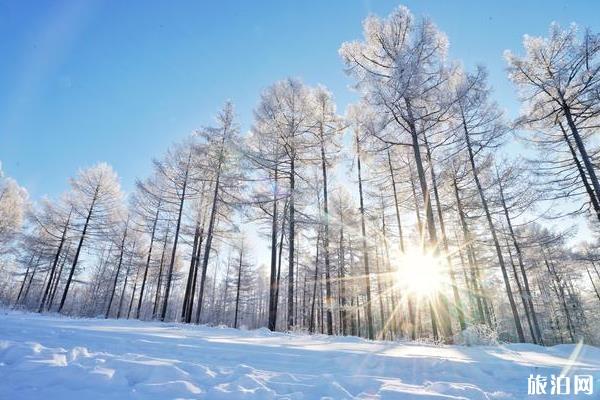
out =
column 85, row 81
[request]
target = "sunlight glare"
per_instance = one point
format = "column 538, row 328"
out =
column 419, row 273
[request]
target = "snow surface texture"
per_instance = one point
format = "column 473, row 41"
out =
column 49, row 357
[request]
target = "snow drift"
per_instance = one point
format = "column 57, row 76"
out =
column 50, row 357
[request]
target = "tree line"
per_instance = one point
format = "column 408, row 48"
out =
column 411, row 215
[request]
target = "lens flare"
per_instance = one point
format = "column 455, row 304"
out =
column 419, row 273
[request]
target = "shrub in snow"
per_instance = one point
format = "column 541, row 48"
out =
column 477, row 335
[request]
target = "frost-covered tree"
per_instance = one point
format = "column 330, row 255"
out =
column 13, row 205
column 558, row 79
column 97, row 200
column 400, row 69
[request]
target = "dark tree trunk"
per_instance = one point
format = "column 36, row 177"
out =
column 457, row 300
column 273, row 277
column 328, row 295
column 291, row 239
column 79, row 246
column 210, row 232
column 528, row 296
column 55, row 263
column 164, row 310
column 157, row 294
column 143, row 288
column 114, row 285
column 364, row 246
column 239, row 284
column 488, row 216
column 582, row 151
column 396, row 204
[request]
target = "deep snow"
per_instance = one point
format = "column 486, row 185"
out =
column 49, row 357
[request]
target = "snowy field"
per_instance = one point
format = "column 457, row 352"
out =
column 48, row 357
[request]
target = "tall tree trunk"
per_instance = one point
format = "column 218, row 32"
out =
column 560, row 294
column 291, row 239
column 146, row 267
column 521, row 294
column 114, row 285
column 157, row 294
column 476, row 284
column 55, row 263
column 81, row 239
column 239, row 284
column 391, row 289
column 364, row 245
column 122, row 297
column 342, row 277
column 396, row 204
column 29, row 264
column 457, row 300
column 594, row 199
column 211, row 227
column 163, row 313
column 279, row 257
column 582, row 151
column 35, row 267
column 273, row 277
column 326, row 237
column 442, row 305
column 311, row 323
column 488, row 216
column 536, row 325
column 189, row 293
column 592, row 281
column 195, row 280
column 137, row 275
column 60, row 270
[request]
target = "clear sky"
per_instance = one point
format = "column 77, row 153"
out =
column 118, row 81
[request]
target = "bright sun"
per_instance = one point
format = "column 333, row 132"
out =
column 419, row 273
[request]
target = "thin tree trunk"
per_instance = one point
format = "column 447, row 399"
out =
column 146, row 267
column 188, row 295
column 137, row 275
column 328, row 295
column 511, row 231
column 81, row 239
column 396, row 204
column 114, row 285
column 311, row 326
column 29, row 264
column 279, row 258
column 364, row 246
column 341, row 270
column 239, row 284
column 273, row 277
column 592, row 280
column 593, row 198
column 210, row 232
column 291, row 239
column 488, row 215
column 163, row 313
column 582, row 151
column 521, row 293
column 476, row 284
column 160, row 274
column 57, row 282
column 54, row 263
column 457, row 300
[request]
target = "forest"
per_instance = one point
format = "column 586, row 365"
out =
column 422, row 212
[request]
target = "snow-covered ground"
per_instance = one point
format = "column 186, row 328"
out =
column 48, row 357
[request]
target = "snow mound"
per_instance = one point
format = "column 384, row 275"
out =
column 48, row 357
column 477, row 335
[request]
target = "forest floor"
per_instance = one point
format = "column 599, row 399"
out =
column 51, row 357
